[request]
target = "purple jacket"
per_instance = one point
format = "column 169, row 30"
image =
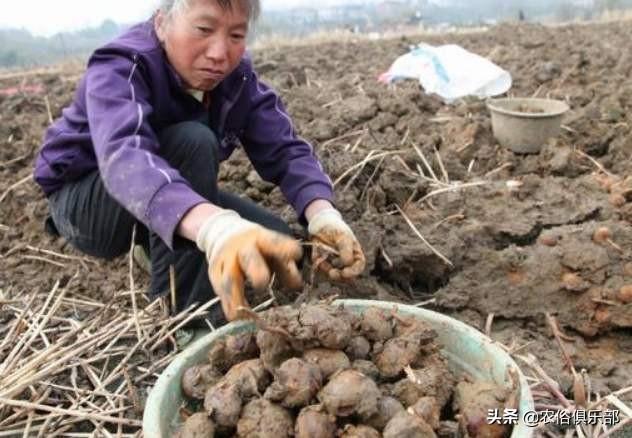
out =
column 129, row 93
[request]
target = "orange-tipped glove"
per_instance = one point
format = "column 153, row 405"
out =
column 329, row 231
column 237, row 249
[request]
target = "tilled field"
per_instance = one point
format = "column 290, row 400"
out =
column 510, row 239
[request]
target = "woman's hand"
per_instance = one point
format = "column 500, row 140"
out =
column 239, row 250
column 328, row 231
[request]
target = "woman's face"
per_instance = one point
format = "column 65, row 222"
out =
column 204, row 42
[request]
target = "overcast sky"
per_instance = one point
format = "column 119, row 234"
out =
column 45, row 17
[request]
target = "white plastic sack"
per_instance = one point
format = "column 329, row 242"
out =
column 450, row 71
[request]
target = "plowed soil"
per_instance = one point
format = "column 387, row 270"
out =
column 502, row 246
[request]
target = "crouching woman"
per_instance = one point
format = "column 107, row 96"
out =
column 155, row 113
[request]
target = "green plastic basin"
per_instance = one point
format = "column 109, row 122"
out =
column 467, row 350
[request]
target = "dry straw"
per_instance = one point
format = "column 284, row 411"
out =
column 66, row 359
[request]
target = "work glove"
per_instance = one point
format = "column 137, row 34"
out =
column 239, row 250
column 336, row 251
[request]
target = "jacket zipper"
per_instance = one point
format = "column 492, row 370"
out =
column 229, row 105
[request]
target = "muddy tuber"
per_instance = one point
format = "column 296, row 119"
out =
column 250, row 377
column 233, row 349
column 262, row 419
column 387, row 407
column 329, row 361
column 296, row 383
column 367, row 368
column 405, row 425
column 376, row 325
column 428, row 409
column 473, row 400
column 359, row 431
column 275, row 349
column 358, row 348
column 350, row 392
column 375, row 374
column 314, row 422
column 223, row 403
column 197, row 379
column 198, row 425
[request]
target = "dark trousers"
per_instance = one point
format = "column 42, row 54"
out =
column 93, row 222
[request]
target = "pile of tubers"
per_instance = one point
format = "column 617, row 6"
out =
column 320, row 371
